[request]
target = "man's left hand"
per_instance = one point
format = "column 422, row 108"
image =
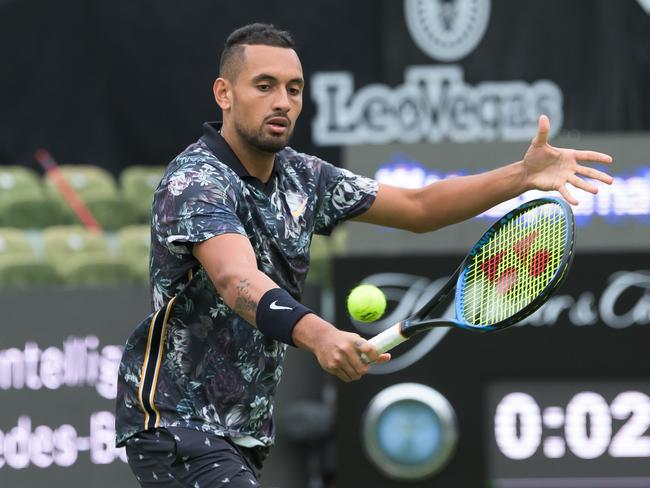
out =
column 551, row 168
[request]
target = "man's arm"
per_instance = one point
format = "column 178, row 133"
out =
column 230, row 262
column 446, row 202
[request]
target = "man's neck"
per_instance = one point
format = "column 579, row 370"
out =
column 258, row 163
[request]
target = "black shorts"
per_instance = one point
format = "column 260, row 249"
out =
column 185, row 458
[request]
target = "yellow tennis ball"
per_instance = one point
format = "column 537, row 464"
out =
column 366, row 303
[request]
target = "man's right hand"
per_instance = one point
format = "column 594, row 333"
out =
column 338, row 352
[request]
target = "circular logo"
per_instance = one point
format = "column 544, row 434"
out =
column 447, row 30
column 409, row 431
column 645, row 5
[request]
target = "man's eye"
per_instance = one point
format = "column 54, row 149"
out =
column 264, row 87
column 295, row 91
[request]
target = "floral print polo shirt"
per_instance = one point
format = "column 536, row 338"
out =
column 194, row 362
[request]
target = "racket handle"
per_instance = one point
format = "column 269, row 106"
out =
column 388, row 339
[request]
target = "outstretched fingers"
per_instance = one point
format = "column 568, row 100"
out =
column 567, row 195
column 593, row 156
column 582, row 184
column 543, row 128
column 594, row 174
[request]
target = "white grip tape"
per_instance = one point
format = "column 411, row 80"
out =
column 388, row 339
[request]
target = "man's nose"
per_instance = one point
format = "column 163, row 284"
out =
column 281, row 101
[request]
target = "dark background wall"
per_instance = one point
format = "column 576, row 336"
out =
column 122, row 83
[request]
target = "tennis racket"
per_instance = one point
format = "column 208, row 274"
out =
column 509, row 273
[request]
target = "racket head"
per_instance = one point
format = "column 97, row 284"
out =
column 516, row 265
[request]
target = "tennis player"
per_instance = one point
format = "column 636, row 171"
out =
column 231, row 225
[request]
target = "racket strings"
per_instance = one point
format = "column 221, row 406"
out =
column 515, row 265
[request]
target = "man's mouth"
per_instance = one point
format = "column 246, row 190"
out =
column 278, row 123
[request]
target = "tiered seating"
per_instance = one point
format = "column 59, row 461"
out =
column 81, row 257
column 321, row 251
column 42, row 242
column 97, row 188
column 138, row 184
column 23, row 203
column 19, row 263
column 134, row 243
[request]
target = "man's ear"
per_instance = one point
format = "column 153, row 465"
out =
column 222, row 90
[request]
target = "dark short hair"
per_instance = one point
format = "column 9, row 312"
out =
column 258, row 33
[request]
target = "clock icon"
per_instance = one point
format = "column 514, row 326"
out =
column 409, row 431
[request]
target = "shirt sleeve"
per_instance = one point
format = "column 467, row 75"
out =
column 342, row 195
column 193, row 204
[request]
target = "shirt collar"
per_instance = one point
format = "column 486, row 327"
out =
column 220, row 148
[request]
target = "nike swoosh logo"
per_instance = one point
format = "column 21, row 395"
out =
column 275, row 306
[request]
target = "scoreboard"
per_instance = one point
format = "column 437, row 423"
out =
column 583, row 432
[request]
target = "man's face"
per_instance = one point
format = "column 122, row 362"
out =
column 267, row 97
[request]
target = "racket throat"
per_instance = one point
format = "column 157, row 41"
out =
column 406, row 328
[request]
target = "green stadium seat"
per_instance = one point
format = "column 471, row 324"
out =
column 97, row 188
column 19, row 265
column 64, row 240
column 23, row 202
column 25, row 271
column 134, row 243
column 82, row 258
column 96, row 270
column 339, row 241
column 112, row 213
column 88, row 180
column 138, row 184
column 321, row 251
column 14, row 242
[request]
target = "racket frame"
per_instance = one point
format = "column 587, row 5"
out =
column 418, row 322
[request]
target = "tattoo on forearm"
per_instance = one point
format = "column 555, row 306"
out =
column 244, row 303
